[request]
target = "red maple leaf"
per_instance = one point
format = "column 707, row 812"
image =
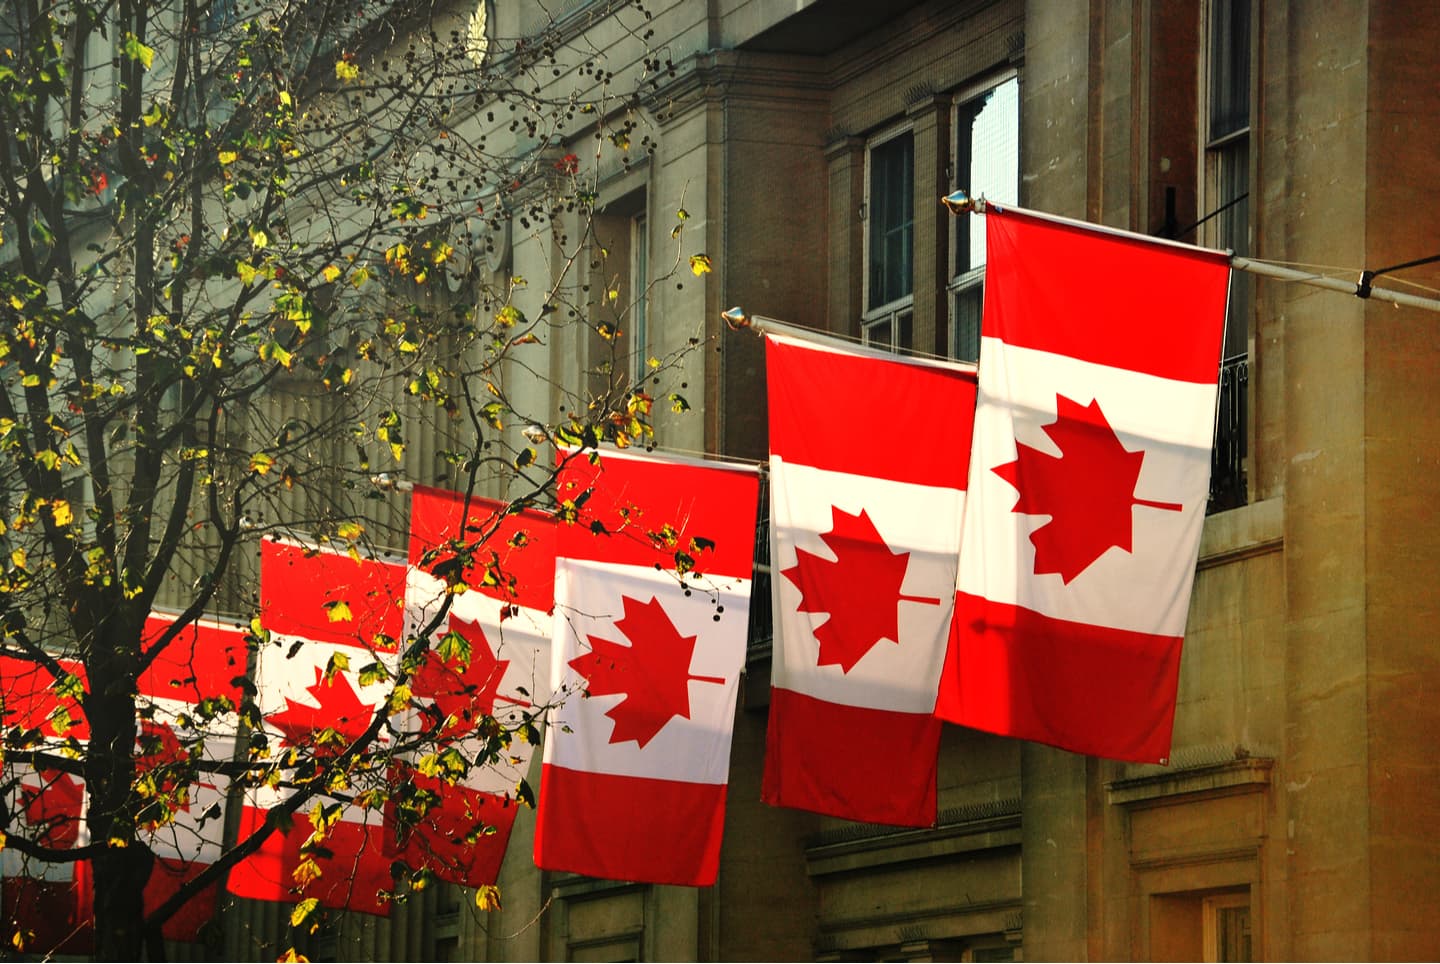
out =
column 860, row 589
column 1088, row 490
column 653, row 672
column 53, row 808
column 463, row 692
column 336, row 708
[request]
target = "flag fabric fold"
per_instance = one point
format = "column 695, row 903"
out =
column 335, row 623
column 1099, row 357
column 495, row 668
column 868, row 455
column 652, row 585
column 44, row 902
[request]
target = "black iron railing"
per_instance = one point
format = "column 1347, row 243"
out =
column 1227, row 459
column 762, row 629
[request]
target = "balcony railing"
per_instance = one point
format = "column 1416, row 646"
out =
column 1227, row 458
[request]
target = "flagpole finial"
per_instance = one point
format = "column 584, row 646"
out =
column 736, row 319
column 958, row 202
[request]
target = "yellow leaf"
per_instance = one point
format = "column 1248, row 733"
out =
column 339, row 663
column 62, row 514
column 18, row 558
column 399, row 698
column 260, row 463
column 303, row 910
column 350, row 530
column 229, row 157
column 338, row 611
column 487, row 897
column 293, row 958
column 346, row 71
column 285, row 98
column 331, row 272
column 699, row 264
column 306, row 872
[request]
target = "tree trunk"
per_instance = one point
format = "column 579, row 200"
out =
column 122, row 869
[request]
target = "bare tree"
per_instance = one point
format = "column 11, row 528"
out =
column 242, row 268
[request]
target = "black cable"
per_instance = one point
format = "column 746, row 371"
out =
column 1363, row 288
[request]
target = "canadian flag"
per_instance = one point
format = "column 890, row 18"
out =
column 1099, row 357
column 867, row 476
column 482, row 687
column 188, row 696
column 184, row 824
column 335, row 622
column 652, row 590
column 43, row 902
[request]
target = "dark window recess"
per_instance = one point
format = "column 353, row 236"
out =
column 1227, row 458
column 761, row 633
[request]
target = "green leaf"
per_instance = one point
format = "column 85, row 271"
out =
column 136, row 50
column 454, row 648
column 373, row 673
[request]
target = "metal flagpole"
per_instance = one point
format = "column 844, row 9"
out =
column 738, row 319
column 961, row 203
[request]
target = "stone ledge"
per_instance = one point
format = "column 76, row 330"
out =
column 1248, row 773
column 1250, row 530
column 960, row 830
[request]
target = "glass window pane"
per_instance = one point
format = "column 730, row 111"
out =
column 966, row 304
column 987, row 155
column 1229, row 67
column 892, row 217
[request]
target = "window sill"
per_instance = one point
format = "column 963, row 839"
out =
column 1240, row 533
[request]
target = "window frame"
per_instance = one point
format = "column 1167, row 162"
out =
column 897, row 314
column 964, row 280
column 1211, row 917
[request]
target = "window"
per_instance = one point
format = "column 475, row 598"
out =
column 619, row 285
column 987, row 163
column 890, row 242
column 1226, row 191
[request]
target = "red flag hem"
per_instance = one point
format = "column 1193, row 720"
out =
column 629, row 828
column 1089, row 689
column 875, row 766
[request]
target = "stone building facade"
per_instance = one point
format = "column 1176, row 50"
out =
column 809, row 143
